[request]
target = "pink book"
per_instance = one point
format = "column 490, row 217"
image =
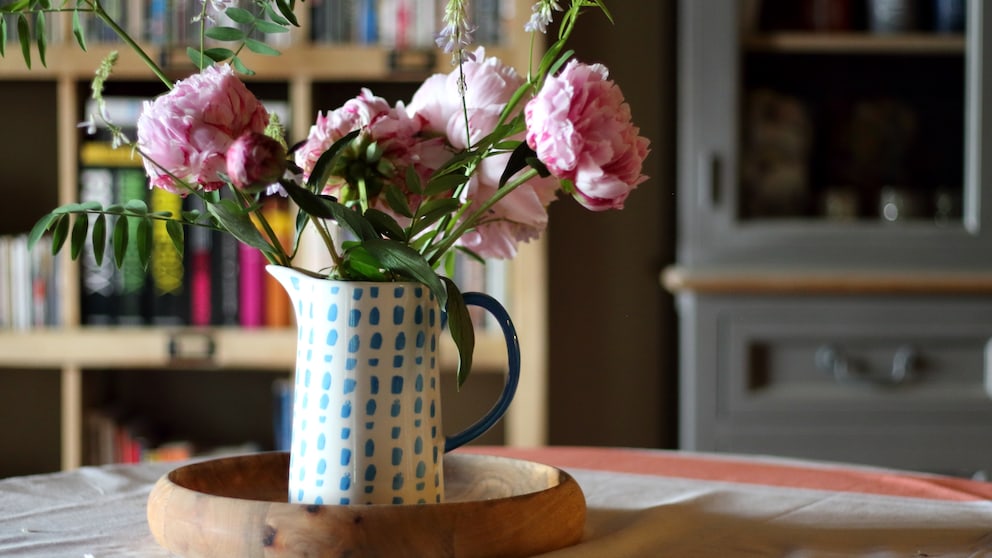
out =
column 251, row 286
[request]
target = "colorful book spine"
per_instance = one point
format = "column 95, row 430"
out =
column 278, row 309
column 251, row 287
column 97, row 288
column 200, row 270
column 169, row 292
column 226, row 273
column 131, row 279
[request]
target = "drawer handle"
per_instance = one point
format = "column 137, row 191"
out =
column 833, row 361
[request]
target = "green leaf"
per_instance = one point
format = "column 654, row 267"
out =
column 460, row 326
column 240, row 15
column 397, row 200
column 176, row 235
column 271, row 27
column 275, row 16
column 258, row 47
column 197, row 58
column 136, row 207
column 308, row 202
column 24, row 37
column 98, row 238
column 400, row 258
column 120, row 240
column 79, row 230
column 240, row 66
column 69, row 208
column 325, row 163
column 237, row 222
column 287, row 12
column 60, row 233
column 3, row 37
column 361, row 264
column 40, row 39
column 431, row 211
column 518, row 160
column 218, row 54
column 77, row 30
column 323, row 208
column 413, row 181
column 440, row 184
column 225, row 33
column 384, row 224
column 40, row 228
column 351, row 220
column 145, row 241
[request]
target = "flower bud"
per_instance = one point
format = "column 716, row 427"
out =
column 255, row 161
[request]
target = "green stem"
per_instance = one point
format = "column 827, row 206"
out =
column 363, row 194
column 472, row 220
column 276, row 254
column 98, row 12
column 325, row 235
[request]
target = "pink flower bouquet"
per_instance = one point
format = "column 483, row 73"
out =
column 471, row 162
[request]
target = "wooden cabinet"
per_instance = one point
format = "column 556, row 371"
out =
column 833, row 273
column 51, row 376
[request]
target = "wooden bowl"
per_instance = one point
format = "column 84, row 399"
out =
column 494, row 506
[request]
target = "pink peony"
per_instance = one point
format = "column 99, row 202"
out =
column 489, row 84
column 187, row 131
column 397, row 133
column 255, row 161
column 580, row 127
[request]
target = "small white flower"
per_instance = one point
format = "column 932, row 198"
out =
column 90, row 125
column 541, row 15
column 456, row 35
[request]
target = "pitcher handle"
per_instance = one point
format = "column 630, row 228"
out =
column 497, row 411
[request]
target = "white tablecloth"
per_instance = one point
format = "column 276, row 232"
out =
column 641, row 503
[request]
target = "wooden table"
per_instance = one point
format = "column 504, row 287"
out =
column 641, row 503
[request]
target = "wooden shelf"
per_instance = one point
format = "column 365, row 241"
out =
column 854, row 43
column 350, row 63
column 226, row 347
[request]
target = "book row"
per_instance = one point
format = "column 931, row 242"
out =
column 28, row 284
column 216, row 282
column 121, row 433
column 398, row 24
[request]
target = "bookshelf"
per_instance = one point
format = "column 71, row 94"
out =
column 62, row 365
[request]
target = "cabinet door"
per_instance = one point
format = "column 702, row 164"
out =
column 800, row 147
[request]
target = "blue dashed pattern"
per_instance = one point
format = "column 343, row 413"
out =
column 365, row 414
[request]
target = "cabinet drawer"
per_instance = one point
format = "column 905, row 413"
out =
column 899, row 381
column 849, row 358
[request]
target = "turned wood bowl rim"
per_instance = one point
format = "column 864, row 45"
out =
column 563, row 481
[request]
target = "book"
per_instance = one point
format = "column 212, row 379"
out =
column 282, row 418
column 278, row 310
column 131, row 281
column 251, row 287
column 225, row 276
column 169, row 296
column 5, row 319
column 97, row 279
column 200, row 269
column 42, row 290
column 104, row 167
